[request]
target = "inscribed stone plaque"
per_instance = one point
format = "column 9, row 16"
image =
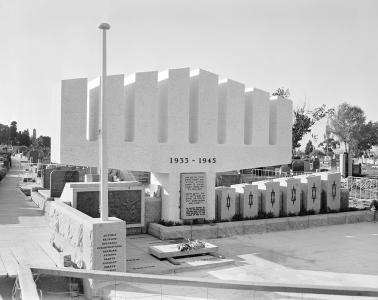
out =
column 123, row 204
column 193, row 195
column 110, row 247
column 58, row 179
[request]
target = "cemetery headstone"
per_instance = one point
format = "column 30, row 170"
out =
column 225, row 203
column 193, row 195
column 311, row 192
column 291, row 195
column 58, row 179
column 331, row 183
column 248, row 195
column 270, row 196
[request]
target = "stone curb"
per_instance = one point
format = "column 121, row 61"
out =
column 226, row 229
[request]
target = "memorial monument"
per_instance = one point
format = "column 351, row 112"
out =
column 171, row 123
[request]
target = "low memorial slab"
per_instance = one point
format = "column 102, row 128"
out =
column 248, row 195
column 311, row 192
column 126, row 200
column 331, row 183
column 58, row 179
column 172, row 251
column 224, row 203
column 270, row 196
column 291, row 195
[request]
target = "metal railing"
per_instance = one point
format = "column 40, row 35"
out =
column 117, row 285
column 361, row 190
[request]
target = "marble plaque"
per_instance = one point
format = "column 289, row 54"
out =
column 123, row 204
column 58, row 179
column 331, row 183
column 193, row 195
column 225, row 203
column 110, row 246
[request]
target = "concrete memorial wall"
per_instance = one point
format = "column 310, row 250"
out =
column 126, row 200
column 225, row 203
column 270, row 196
column 193, row 196
column 331, row 184
column 290, row 195
column 92, row 243
column 311, row 192
column 172, row 122
column 58, row 179
column 248, row 195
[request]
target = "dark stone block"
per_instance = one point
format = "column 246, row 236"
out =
column 58, row 179
column 123, row 204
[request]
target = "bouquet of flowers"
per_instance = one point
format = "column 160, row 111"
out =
column 191, row 245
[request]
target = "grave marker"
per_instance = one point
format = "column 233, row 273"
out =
column 291, row 195
column 225, row 203
column 331, row 183
column 311, row 192
column 270, row 196
column 248, row 199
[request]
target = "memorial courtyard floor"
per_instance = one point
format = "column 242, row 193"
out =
column 343, row 255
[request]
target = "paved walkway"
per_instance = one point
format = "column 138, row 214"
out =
column 22, row 227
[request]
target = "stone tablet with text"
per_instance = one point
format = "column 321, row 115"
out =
column 193, row 195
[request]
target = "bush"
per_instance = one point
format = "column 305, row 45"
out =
column 291, row 214
column 237, row 217
column 311, row 212
column 269, row 215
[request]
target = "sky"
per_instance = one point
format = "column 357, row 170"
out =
column 324, row 51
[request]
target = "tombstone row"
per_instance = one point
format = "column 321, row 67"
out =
column 281, row 196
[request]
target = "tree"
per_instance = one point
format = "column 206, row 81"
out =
column 304, row 120
column 44, row 141
column 282, row 92
column 4, row 134
column 329, row 143
column 24, row 138
column 13, row 132
column 309, row 148
column 348, row 125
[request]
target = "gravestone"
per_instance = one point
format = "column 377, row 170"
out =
column 58, row 179
column 225, row 203
column 270, row 196
column 311, row 192
column 193, row 195
column 291, row 195
column 248, row 195
column 331, row 184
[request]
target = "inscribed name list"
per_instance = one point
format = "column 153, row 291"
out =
column 193, row 195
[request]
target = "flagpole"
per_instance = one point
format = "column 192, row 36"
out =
column 102, row 132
